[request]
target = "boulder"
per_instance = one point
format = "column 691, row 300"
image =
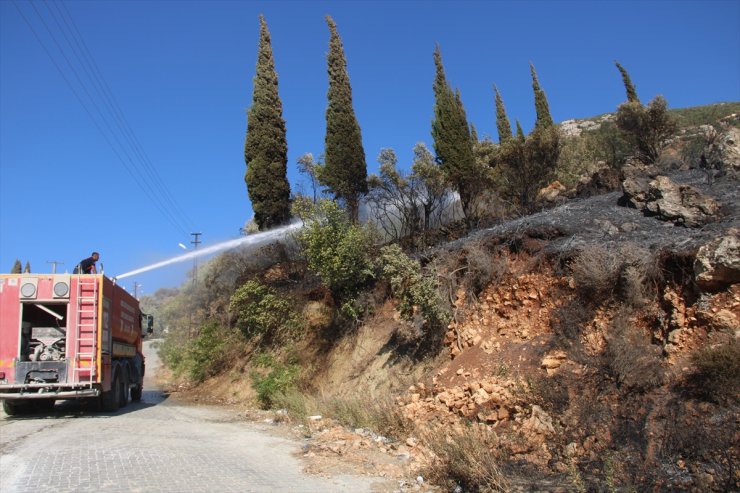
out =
column 717, row 263
column 669, row 201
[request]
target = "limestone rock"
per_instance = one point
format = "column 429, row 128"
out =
column 669, row 201
column 717, row 263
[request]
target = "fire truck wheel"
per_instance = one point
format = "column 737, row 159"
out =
column 43, row 405
column 136, row 393
column 123, row 391
column 14, row 407
column 109, row 400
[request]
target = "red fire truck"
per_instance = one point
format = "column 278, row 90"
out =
column 69, row 336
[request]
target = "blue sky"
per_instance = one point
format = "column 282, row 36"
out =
column 180, row 72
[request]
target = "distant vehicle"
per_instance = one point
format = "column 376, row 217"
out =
column 69, row 336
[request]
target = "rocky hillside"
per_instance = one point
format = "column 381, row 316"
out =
column 593, row 345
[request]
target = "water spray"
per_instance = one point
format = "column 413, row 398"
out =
column 249, row 240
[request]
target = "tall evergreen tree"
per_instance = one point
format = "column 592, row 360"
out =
column 27, row 268
column 453, row 143
column 519, row 131
column 502, row 121
column 345, row 171
column 540, row 102
column 266, row 147
column 629, row 87
column 17, row 267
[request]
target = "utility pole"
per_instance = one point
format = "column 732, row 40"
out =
column 54, row 265
column 195, row 242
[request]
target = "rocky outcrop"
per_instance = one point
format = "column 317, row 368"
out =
column 669, row 201
column 717, row 263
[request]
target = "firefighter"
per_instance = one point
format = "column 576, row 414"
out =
column 87, row 266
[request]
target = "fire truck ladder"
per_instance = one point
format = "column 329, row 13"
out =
column 86, row 330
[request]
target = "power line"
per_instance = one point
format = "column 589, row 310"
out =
column 168, row 208
column 110, row 97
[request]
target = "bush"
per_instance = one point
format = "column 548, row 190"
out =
column 337, row 250
column 204, row 355
column 632, row 359
column 467, row 459
column 717, row 371
column 260, row 311
column 647, row 129
column 274, row 381
column 629, row 271
column 417, row 294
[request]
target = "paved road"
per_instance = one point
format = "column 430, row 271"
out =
column 156, row 445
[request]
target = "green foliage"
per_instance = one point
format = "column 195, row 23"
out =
column 502, row 121
column 629, row 87
column 203, row 355
column 418, row 294
column 17, row 267
column 578, row 156
column 345, row 171
column 27, row 268
column 529, row 163
column 274, row 380
column 453, row 143
column 544, row 119
column 647, row 129
column 705, row 115
column 266, row 147
column 261, row 311
column 337, row 250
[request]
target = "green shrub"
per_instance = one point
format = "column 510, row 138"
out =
column 339, row 252
column 647, row 128
column 261, row 311
column 417, row 293
column 203, row 355
column 273, row 380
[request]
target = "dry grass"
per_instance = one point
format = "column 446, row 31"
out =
column 717, row 371
column 635, row 362
column 467, row 458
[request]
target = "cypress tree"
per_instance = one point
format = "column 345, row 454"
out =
column 519, row 131
column 345, row 170
column 540, row 102
column 453, row 143
column 502, row 121
column 629, row 87
column 17, row 267
column 266, row 147
column 27, row 268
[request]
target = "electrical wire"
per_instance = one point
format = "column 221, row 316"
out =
column 130, row 153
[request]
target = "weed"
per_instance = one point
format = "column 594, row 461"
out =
column 467, row 458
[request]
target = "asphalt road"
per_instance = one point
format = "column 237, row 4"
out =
column 155, row 445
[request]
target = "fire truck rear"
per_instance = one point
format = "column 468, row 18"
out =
column 68, row 336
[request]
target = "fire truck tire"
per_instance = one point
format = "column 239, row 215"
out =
column 43, row 405
column 109, row 400
column 136, row 393
column 14, row 407
column 123, row 392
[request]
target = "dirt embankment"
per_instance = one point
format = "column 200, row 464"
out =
column 578, row 387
